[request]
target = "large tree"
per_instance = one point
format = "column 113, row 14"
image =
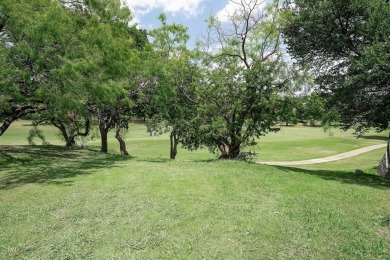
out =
column 68, row 58
column 346, row 45
column 242, row 86
column 40, row 48
column 113, row 49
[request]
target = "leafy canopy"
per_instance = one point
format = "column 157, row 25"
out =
column 346, row 44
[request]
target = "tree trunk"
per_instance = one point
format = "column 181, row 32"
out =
column 174, row 142
column 387, row 175
column 103, row 137
column 122, row 144
column 71, row 142
column 229, row 152
column 16, row 114
column 388, row 148
column 5, row 125
column 106, row 122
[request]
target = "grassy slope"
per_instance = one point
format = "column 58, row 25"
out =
column 59, row 203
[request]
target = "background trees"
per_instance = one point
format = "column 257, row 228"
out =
column 244, row 75
column 80, row 64
column 346, row 45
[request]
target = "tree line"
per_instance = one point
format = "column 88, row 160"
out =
column 79, row 64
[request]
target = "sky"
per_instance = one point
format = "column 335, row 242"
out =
column 190, row 13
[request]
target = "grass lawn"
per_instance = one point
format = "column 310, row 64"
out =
column 302, row 143
column 58, row 203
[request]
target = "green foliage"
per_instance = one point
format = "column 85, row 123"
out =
column 72, row 58
column 289, row 109
column 107, row 11
column 170, row 39
column 312, row 108
column 35, row 132
column 175, row 84
column 346, row 45
column 307, row 109
column 36, row 59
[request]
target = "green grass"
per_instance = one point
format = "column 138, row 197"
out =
column 289, row 144
column 302, row 143
column 58, row 203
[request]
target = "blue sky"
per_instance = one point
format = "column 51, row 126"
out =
column 190, row 13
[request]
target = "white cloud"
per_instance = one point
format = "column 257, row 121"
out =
column 230, row 8
column 141, row 7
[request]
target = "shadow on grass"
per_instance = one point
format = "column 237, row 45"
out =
column 212, row 160
column 156, row 160
column 348, row 177
column 375, row 137
column 49, row 164
column 168, row 160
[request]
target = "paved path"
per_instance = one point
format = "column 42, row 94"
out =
column 330, row 158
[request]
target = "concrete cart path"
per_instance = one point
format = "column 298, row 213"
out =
column 330, row 158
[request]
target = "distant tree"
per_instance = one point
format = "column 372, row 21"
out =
column 245, row 75
column 289, row 110
column 175, row 84
column 314, row 106
column 346, row 44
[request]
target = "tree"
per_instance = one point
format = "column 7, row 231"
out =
column 37, row 64
column 346, row 45
column 70, row 125
column 114, row 51
column 245, row 76
column 174, row 106
column 314, row 108
column 288, row 110
column 64, row 58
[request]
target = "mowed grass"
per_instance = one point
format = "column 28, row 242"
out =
column 289, row 144
column 302, row 143
column 58, row 203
